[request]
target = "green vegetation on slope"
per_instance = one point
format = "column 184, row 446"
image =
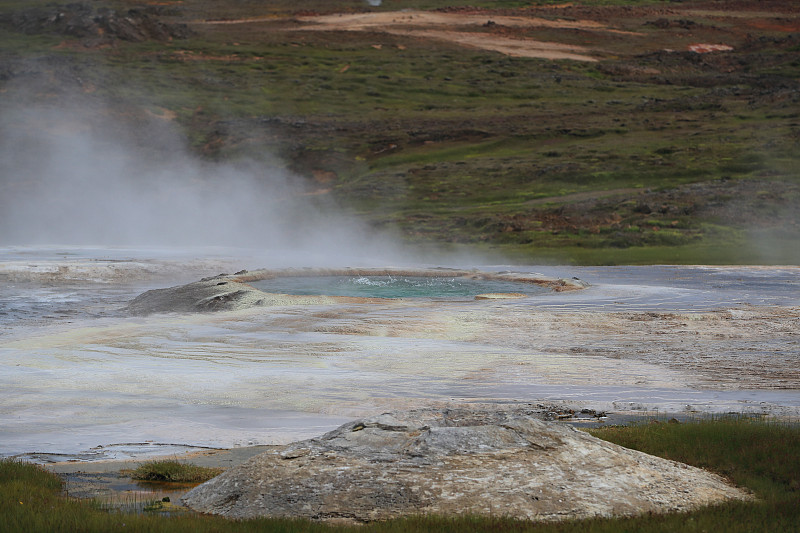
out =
column 645, row 156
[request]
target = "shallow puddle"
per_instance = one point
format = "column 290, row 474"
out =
column 115, row 491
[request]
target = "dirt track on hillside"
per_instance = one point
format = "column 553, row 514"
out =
column 511, row 34
column 442, row 27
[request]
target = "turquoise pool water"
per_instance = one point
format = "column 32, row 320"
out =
column 393, row 286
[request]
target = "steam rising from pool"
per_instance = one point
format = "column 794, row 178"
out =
column 79, row 176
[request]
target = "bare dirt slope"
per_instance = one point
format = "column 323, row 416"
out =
column 515, row 34
column 465, row 30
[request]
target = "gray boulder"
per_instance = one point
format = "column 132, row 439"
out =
column 456, row 461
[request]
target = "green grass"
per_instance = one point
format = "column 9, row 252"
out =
column 763, row 456
column 174, row 471
column 759, row 455
column 725, row 251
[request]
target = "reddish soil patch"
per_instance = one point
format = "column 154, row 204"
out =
column 787, row 26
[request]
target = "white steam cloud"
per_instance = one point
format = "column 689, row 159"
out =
column 71, row 178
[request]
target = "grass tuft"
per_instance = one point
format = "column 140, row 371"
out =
column 173, row 471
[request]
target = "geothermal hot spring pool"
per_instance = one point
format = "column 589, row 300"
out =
column 84, row 378
column 402, row 286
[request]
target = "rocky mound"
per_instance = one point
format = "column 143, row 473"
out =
column 456, row 461
column 221, row 293
column 86, row 22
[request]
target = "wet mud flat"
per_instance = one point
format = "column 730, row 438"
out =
column 691, row 340
column 110, row 482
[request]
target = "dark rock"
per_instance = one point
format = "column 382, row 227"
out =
column 85, row 22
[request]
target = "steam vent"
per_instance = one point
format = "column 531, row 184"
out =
column 456, row 461
column 242, row 290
